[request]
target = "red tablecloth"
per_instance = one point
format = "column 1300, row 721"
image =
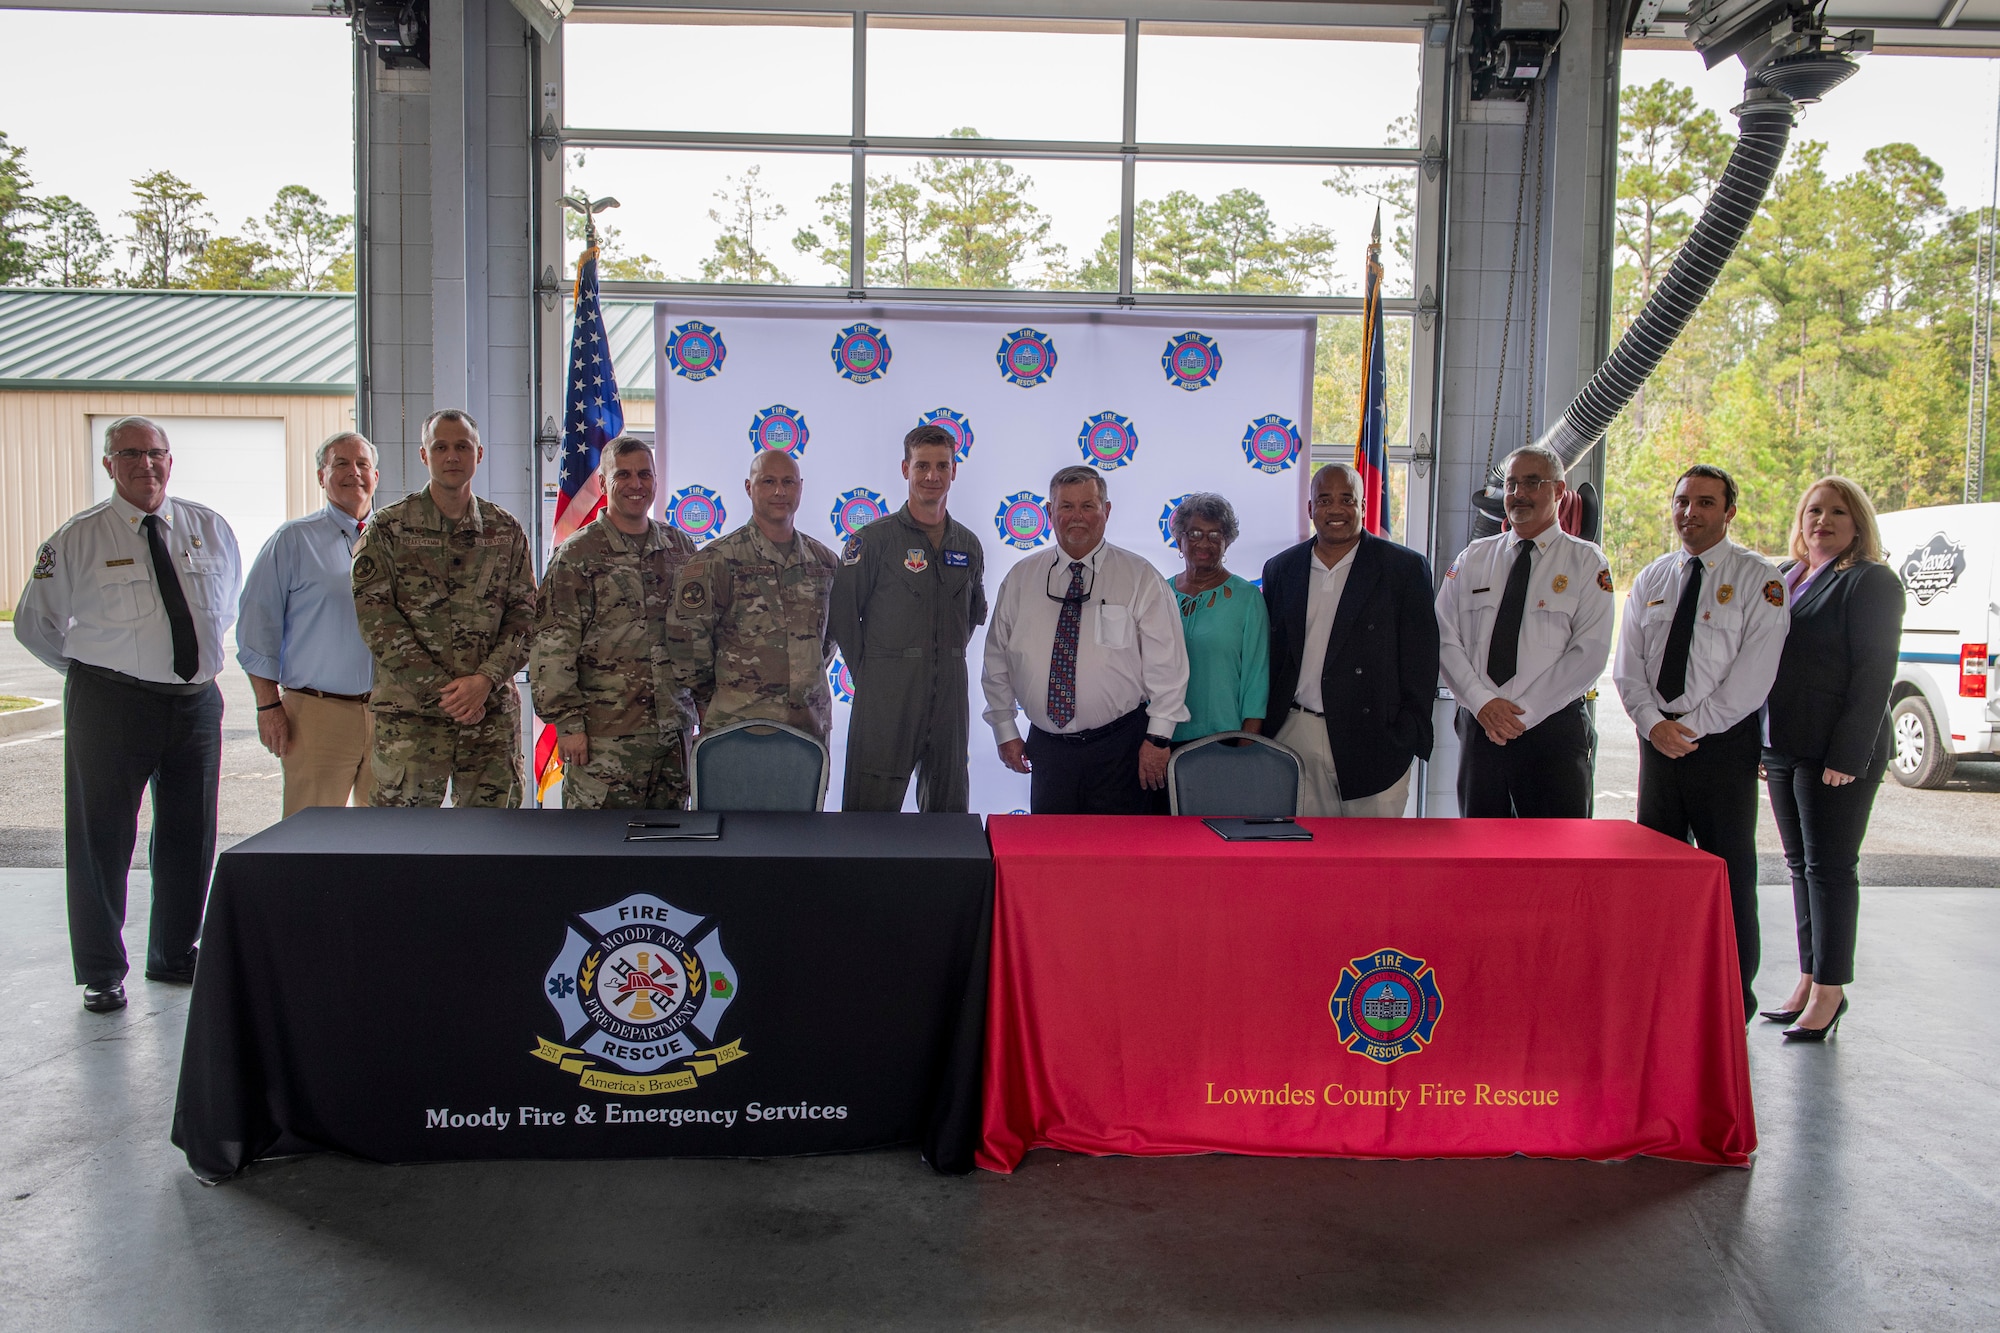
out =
column 1559, row 988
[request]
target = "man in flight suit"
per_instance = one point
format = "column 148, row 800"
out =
column 600, row 649
column 909, row 591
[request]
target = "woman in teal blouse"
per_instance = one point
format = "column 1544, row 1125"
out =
column 1223, row 621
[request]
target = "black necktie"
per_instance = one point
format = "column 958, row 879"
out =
column 1674, row 666
column 1506, row 645
column 187, row 650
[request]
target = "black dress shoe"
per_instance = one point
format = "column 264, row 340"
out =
column 105, row 999
column 1818, row 1034
column 176, row 976
column 1781, row 1015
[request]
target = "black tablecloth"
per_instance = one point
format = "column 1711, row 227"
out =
column 429, row 985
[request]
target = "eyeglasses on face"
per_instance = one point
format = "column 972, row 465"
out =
column 135, row 455
column 1527, row 485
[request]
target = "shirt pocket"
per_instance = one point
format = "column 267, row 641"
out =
column 201, row 578
column 127, row 592
column 1718, row 632
column 1548, row 621
column 1114, row 626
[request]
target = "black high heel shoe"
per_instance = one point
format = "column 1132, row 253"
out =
column 1818, row 1034
column 1780, row 1015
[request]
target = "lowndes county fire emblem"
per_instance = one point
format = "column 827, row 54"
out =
column 640, row 985
column 1386, row 1005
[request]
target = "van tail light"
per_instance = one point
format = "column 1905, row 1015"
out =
column 1972, row 671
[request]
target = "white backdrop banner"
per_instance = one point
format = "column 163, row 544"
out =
column 1163, row 404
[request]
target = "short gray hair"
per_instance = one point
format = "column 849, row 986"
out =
column 1075, row 475
column 123, row 424
column 607, row 458
column 325, row 450
column 458, row 414
column 1353, row 475
column 1208, row 505
column 1541, row 451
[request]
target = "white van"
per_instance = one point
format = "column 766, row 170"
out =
column 1944, row 707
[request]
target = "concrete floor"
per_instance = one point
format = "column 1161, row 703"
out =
column 1874, row 1202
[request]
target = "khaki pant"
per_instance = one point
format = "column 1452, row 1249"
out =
column 1319, row 789
column 328, row 762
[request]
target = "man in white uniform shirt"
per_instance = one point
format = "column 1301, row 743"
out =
column 1524, row 620
column 130, row 600
column 1704, row 628
column 1086, row 640
column 297, row 630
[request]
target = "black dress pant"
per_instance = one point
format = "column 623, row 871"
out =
column 1821, row 828
column 1712, row 795
column 118, row 738
column 1544, row 773
column 1090, row 772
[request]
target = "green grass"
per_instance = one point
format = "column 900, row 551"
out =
column 13, row 703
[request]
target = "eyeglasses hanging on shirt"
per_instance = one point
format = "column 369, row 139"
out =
column 1090, row 581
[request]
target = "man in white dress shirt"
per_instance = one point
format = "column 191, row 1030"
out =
column 1086, row 640
column 130, row 600
column 297, row 630
column 1524, row 620
column 1704, row 628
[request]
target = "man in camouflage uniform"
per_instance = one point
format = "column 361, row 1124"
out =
column 909, row 591
column 748, row 634
column 446, row 599
column 600, row 647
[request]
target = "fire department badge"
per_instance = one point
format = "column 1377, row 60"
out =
column 1724, row 593
column 1027, row 357
column 779, row 429
column 1167, row 520
column 1386, row 1005
column 915, row 560
column 1108, row 440
column 856, row 509
column 959, row 424
column 1561, row 583
column 640, row 985
column 1774, row 593
column 1271, row 443
column 1023, row 520
column 695, row 351
column 697, row 511
column 861, row 353
column 1192, row 361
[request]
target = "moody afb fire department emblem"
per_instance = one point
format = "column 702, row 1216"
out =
column 638, row 986
column 1386, row 1005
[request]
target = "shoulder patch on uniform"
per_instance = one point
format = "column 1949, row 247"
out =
column 1774, row 592
column 850, row 554
column 1452, row 573
column 45, row 561
column 364, row 567
column 1604, row 580
column 694, row 595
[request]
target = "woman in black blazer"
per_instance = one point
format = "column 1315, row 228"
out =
column 1827, row 735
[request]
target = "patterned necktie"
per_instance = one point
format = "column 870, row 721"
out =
column 1062, row 664
column 1505, row 648
column 187, row 651
column 1680, row 637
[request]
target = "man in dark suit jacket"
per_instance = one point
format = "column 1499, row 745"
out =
column 1354, row 656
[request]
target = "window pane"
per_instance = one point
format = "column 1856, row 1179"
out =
column 1337, row 400
column 984, row 222
column 745, row 73
column 689, row 216
column 1274, row 229
column 1309, row 91
column 930, row 77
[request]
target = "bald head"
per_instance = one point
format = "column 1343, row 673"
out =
column 774, row 487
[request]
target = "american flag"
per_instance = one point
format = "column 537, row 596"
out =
column 592, row 416
column 1371, row 457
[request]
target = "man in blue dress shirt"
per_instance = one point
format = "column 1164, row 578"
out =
column 297, row 638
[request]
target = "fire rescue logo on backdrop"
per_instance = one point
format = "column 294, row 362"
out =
column 856, row 509
column 1386, row 1005
column 695, row 350
column 780, row 430
column 840, row 680
column 1027, row 357
column 697, row 511
column 1271, row 443
column 638, row 986
column 1023, row 520
column 1191, row 361
column 959, row 424
column 1930, row 571
column 861, row 353
column 1108, row 440
column 1167, row 520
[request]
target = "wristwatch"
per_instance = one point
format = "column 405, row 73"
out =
column 1163, row 742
